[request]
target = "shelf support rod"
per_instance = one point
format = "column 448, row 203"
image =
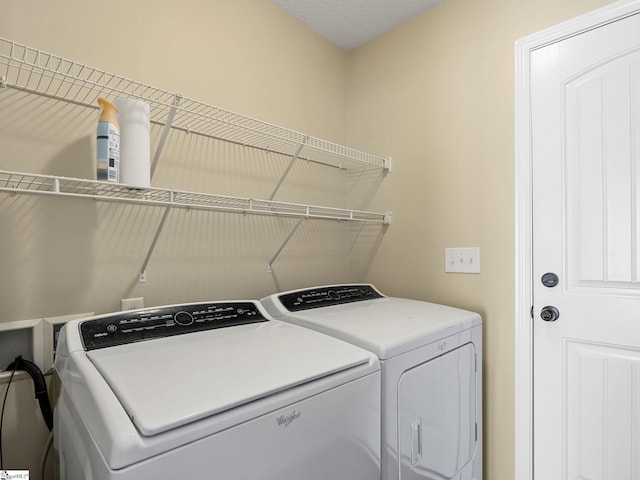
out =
column 143, row 270
column 286, row 240
column 165, row 133
column 288, row 169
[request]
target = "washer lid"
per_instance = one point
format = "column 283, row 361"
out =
column 169, row 382
column 386, row 326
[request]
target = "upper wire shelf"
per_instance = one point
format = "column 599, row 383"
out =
column 17, row 182
column 35, row 71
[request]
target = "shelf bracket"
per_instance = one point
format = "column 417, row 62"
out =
column 165, row 133
column 288, row 169
column 143, row 270
column 286, row 240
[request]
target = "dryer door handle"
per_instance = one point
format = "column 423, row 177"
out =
column 416, row 441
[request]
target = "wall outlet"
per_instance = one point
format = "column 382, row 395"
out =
column 462, row 260
column 131, row 303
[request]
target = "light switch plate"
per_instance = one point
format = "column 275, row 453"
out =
column 462, row 260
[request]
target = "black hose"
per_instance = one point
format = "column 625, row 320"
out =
column 39, row 386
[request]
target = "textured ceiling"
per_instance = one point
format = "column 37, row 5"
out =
column 351, row 23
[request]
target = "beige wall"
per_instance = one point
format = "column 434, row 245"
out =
column 245, row 55
column 63, row 256
column 234, row 54
column 437, row 93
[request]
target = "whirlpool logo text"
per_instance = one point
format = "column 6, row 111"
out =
column 285, row 420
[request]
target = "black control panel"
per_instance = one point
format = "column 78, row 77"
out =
column 327, row 296
column 128, row 327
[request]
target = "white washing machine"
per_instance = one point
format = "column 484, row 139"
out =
column 213, row 391
column 431, row 358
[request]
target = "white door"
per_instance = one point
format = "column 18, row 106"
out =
column 585, row 117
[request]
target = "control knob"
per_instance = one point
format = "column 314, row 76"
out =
column 183, row 318
column 333, row 295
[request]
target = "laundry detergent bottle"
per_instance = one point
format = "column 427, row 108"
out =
column 108, row 145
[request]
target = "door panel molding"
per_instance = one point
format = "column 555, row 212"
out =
column 524, row 216
column 596, row 375
column 601, row 216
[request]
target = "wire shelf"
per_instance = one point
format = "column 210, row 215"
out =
column 26, row 183
column 35, row 71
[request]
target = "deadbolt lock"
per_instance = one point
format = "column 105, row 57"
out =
column 549, row 279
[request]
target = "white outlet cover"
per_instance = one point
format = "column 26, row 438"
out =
column 131, row 303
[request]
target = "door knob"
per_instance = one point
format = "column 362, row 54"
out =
column 549, row 314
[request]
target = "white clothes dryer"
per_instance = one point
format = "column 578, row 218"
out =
column 431, row 358
column 213, row 390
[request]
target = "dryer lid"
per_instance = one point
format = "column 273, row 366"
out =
column 172, row 381
column 387, row 326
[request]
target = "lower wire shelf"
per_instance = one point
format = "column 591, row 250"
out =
column 28, row 183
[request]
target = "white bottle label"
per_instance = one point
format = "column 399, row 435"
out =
column 108, row 152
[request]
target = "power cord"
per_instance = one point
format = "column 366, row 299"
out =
column 45, row 454
column 40, row 387
column 4, row 402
